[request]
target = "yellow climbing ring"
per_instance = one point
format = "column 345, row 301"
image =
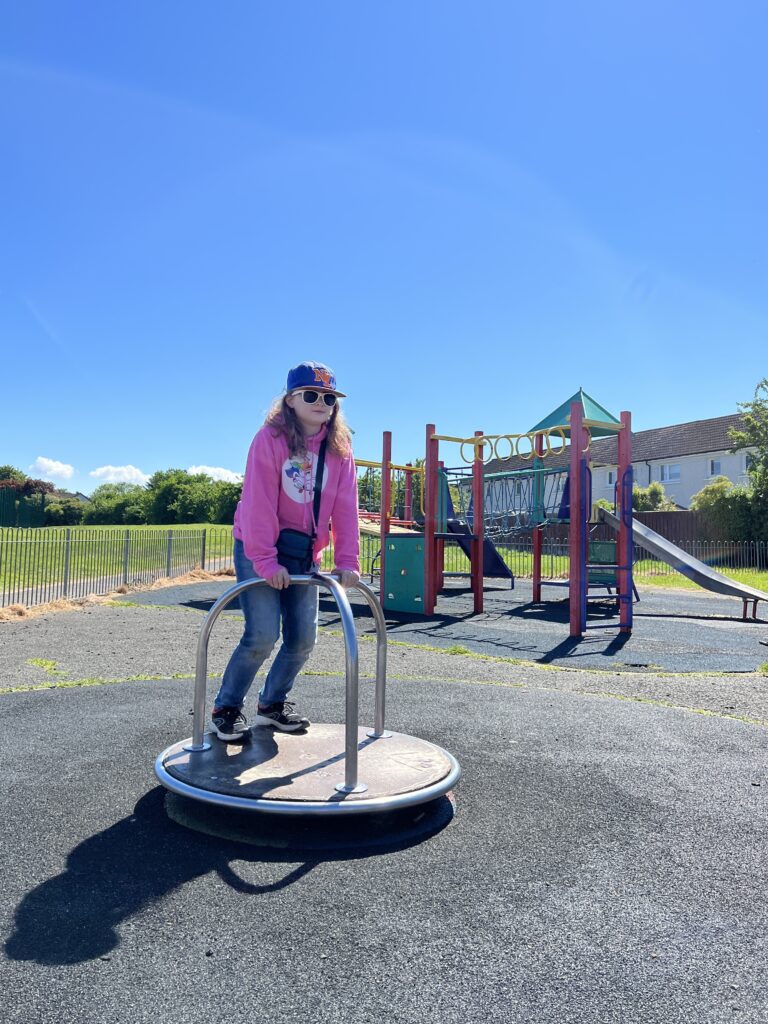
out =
column 549, row 450
column 526, row 456
column 463, row 457
column 510, row 439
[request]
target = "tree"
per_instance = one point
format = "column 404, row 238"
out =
column 225, row 498
column 163, row 490
column 31, row 486
column 194, row 500
column 109, row 503
column 652, row 499
column 727, row 507
column 175, row 496
column 64, row 512
column 11, row 474
column 755, row 435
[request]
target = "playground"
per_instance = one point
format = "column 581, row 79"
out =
column 607, row 848
column 500, row 489
column 600, row 857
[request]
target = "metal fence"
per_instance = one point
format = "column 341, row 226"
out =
column 726, row 556
column 37, row 566
column 41, row 565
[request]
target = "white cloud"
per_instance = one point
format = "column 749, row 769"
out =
column 217, row 473
column 50, row 469
column 119, row 475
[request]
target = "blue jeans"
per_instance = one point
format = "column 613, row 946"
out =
column 263, row 608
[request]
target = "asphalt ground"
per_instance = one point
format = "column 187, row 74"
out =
column 606, row 861
column 674, row 630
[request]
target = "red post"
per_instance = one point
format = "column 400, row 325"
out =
column 408, row 510
column 576, row 530
column 538, row 532
column 386, row 493
column 440, row 544
column 478, row 526
column 430, row 516
column 624, row 508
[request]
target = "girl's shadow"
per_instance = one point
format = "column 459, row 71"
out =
column 137, row 861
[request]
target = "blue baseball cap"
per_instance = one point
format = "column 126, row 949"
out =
column 316, row 376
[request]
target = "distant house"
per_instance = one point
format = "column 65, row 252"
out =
column 683, row 457
column 59, row 494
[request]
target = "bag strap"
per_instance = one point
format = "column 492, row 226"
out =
column 319, row 481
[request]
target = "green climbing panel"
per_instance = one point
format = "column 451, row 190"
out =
column 602, row 552
column 403, row 589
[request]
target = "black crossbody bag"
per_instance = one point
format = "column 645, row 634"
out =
column 294, row 548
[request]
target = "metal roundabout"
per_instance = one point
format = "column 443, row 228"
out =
column 329, row 771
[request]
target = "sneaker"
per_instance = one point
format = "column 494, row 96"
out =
column 229, row 723
column 282, row 716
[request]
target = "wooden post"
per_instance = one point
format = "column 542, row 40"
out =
column 625, row 546
column 442, row 523
column 538, row 531
column 478, row 526
column 430, row 515
column 408, row 510
column 577, row 529
column 386, row 494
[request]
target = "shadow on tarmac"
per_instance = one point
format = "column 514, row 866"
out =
column 139, row 860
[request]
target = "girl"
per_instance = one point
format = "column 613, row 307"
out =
column 275, row 523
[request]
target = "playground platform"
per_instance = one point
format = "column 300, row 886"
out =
column 606, row 860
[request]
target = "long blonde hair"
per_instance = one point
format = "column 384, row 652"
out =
column 283, row 420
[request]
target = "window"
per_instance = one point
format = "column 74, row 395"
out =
column 714, row 467
column 749, row 462
column 610, row 477
column 669, row 472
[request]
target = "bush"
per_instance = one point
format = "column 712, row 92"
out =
column 729, row 508
column 225, row 499
column 66, row 512
column 110, row 502
column 652, row 499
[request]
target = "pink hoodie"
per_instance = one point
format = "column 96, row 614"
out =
column 278, row 492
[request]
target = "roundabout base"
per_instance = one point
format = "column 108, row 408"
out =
column 299, row 773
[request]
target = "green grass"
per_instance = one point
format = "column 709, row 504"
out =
column 37, row 558
column 47, row 665
column 647, row 572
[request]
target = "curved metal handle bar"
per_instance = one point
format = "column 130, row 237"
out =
column 381, row 656
column 350, row 644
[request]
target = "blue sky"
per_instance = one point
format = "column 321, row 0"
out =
column 467, row 210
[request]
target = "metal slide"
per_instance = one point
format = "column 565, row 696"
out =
column 701, row 574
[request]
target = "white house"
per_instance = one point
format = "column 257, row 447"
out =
column 683, row 457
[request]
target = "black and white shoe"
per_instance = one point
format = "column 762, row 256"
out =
column 282, row 716
column 229, row 723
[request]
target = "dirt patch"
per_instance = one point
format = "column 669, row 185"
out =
column 14, row 612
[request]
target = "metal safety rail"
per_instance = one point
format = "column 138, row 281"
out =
column 351, row 783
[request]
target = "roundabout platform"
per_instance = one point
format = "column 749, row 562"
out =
column 299, row 773
column 336, row 770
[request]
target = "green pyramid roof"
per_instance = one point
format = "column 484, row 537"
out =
column 561, row 417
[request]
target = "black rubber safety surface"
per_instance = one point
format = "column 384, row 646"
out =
column 674, row 630
column 606, row 862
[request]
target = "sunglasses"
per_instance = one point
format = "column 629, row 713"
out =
column 310, row 397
